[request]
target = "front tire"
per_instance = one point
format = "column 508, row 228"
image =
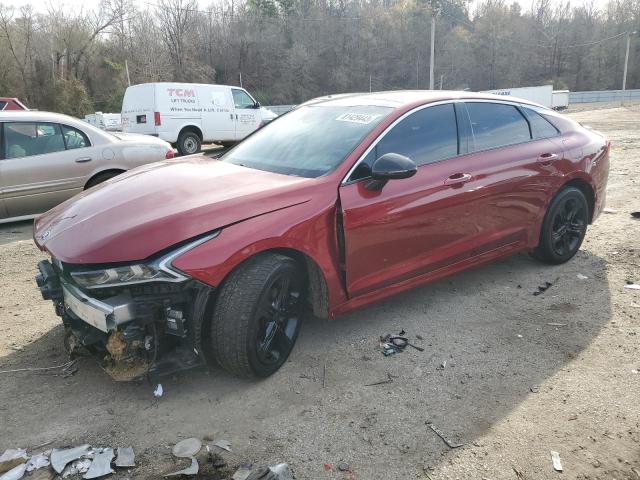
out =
column 564, row 227
column 257, row 315
column 188, row 143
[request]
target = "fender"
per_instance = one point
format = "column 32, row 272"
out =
column 312, row 236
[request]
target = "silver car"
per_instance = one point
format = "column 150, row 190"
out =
column 45, row 158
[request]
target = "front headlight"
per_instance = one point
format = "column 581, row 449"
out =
column 159, row 270
column 123, row 275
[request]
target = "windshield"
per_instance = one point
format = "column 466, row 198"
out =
column 309, row 141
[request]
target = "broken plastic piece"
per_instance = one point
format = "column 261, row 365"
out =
column 581, row 277
column 77, row 467
column 158, row 392
column 223, row 444
column 190, row 470
column 11, row 458
column 60, row 458
column 37, row 461
column 609, row 210
column 241, row 474
column 187, row 448
column 101, row 464
column 632, row 286
column 126, row 457
column 282, row 472
column 555, row 458
column 16, row 473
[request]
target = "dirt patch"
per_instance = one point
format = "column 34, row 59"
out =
column 523, row 375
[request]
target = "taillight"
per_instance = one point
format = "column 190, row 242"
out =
column 156, row 117
column 170, row 154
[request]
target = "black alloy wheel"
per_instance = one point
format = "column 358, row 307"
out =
column 564, row 226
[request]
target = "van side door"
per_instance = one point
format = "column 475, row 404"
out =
column 218, row 118
column 247, row 114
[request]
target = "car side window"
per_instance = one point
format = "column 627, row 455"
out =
column 496, row 125
column 2, row 105
column 74, row 138
column 241, row 99
column 24, row 139
column 426, row 136
column 540, row 126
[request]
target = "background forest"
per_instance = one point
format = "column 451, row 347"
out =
column 290, row 50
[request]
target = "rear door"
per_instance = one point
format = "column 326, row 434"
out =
column 218, row 117
column 138, row 107
column 247, row 114
column 43, row 164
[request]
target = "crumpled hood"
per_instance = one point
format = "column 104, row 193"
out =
column 148, row 209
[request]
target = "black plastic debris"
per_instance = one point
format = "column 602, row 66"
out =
column 542, row 288
column 392, row 344
column 635, row 214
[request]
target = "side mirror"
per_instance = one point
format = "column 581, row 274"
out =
column 390, row 166
column 256, row 105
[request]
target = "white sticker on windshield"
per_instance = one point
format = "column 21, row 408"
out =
column 357, row 117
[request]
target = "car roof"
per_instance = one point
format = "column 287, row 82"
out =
column 402, row 98
column 36, row 116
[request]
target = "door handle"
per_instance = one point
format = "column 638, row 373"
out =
column 83, row 159
column 458, row 179
column 547, row 158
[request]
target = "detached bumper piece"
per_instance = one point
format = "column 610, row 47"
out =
column 135, row 330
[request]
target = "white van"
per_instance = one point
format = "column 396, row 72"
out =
column 187, row 114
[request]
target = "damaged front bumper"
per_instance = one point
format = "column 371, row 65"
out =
column 133, row 330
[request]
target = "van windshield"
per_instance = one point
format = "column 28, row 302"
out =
column 308, row 142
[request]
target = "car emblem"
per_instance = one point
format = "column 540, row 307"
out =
column 44, row 235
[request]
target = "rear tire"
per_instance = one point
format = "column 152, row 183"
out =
column 257, row 316
column 564, row 227
column 188, row 143
column 99, row 178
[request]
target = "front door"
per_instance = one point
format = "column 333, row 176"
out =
column 247, row 113
column 42, row 165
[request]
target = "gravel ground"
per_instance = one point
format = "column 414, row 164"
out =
column 509, row 375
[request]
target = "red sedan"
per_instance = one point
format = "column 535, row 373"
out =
column 335, row 205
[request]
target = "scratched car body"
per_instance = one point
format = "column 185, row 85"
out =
column 336, row 205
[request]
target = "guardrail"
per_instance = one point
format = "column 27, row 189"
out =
column 604, row 96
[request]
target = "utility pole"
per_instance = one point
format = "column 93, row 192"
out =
column 126, row 67
column 369, row 83
column 626, row 61
column 433, row 42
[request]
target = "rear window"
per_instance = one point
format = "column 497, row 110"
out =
column 496, row 125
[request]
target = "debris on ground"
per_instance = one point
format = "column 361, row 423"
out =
column 609, row 210
column 241, row 474
column 60, row 458
column 158, row 392
column 543, row 288
column 442, row 366
column 581, row 276
column 190, row 470
column 76, row 467
column 632, row 286
column 11, row 458
column 126, row 457
column 101, row 464
column 449, row 443
column 555, row 458
column 42, row 369
column 343, row 467
column 635, row 214
column 381, row 382
column 276, row 472
column 38, row 461
column 187, row 448
column 16, row 473
column 554, row 324
column 534, row 389
column 223, row 444
column 392, row 344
